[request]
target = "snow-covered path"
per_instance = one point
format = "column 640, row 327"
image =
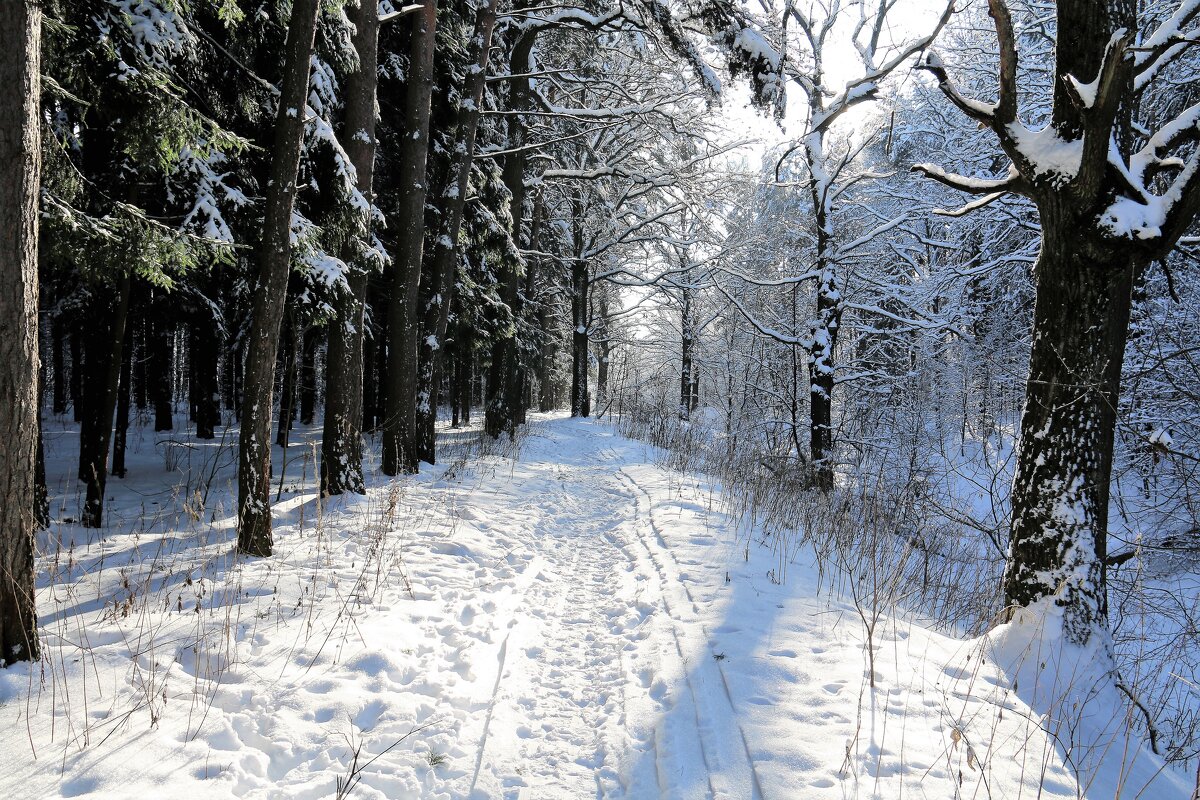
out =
column 577, row 622
column 572, row 672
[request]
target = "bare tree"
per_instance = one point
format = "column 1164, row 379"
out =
column 1113, row 196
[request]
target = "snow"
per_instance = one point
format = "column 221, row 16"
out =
column 1162, row 437
column 1046, row 152
column 756, row 47
column 577, row 621
column 1086, row 91
column 1074, row 688
column 1138, row 218
column 1157, row 49
column 158, row 34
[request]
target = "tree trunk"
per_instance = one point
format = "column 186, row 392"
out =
column 341, row 442
column 138, row 355
column 1064, row 462
column 287, row 384
column 20, row 169
column 445, row 257
column 205, row 343
column 227, row 370
column 102, row 359
column 500, row 412
column 580, row 400
column 822, row 338
column 547, row 394
column 58, row 367
column 1084, row 278
column 270, row 295
column 371, row 409
column 455, row 396
column 76, row 383
column 41, row 491
column 686, row 341
column 602, row 370
column 121, row 434
column 399, row 425
column 522, row 388
column 238, row 379
column 160, row 370
column 307, row 376
column 821, row 377
column 465, row 367
column 605, row 347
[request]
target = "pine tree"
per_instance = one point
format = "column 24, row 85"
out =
column 270, row 295
column 20, row 165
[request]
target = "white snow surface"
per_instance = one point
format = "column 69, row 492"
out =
column 575, row 622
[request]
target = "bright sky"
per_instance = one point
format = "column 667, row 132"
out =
column 913, row 19
column 910, row 19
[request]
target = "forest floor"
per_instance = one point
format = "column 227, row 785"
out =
column 570, row 620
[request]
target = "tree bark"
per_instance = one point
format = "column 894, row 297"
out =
column 371, row 408
column 104, row 358
column 138, row 354
column 238, row 378
column 455, row 396
column 20, row 170
column 58, row 367
column 160, row 369
column 445, row 257
column 580, row 399
column 76, row 381
column 205, row 344
column 41, row 491
column 307, row 376
column 227, row 370
column 1064, row 461
column 687, row 338
column 464, row 366
column 821, row 380
column 604, row 344
column 341, row 442
column 547, row 390
column 1084, row 278
column 121, row 433
column 287, row 383
column 500, row 412
column 270, row 295
column 400, row 452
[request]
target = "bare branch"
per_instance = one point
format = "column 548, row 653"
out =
column 976, row 110
column 403, row 12
column 1166, row 44
column 1006, row 104
column 974, row 205
column 865, row 87
column 1014, row 183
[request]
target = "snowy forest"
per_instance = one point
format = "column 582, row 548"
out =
column 629, row 399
